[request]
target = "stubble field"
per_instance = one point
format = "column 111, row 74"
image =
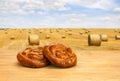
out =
column 16, row 39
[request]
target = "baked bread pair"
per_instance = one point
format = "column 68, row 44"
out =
column 56, row 54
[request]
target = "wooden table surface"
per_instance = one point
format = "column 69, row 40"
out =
column 91, row 66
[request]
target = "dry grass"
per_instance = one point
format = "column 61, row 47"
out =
column 76, row 40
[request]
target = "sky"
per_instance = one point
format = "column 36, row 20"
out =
column 59, row 13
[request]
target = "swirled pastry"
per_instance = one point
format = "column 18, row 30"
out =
column 60, row 55
column 32, row 57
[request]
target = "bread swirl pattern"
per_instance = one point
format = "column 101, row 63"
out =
column 32, row 57
column 60, row 55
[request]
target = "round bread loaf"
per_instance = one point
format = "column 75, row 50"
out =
column 32, row 57
column 60, row 55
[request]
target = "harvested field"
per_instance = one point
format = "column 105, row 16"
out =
column 67, row 36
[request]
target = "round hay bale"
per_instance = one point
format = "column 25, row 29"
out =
column 57, row 30
column 40, row 31
column 81, row 33
column 63, row 36
column 6, row 32
column 89, row 31
column 104, row 37
column 66, row 31
column 70, row 29
column 117, row 37
column 115, row 30
column 21, row 31
column 86, row 32
column 33, row 39
column 29, row 32
column 94, row 40
column 12, row 37
column 47, row 36
column 70, row 33
column 50, row 31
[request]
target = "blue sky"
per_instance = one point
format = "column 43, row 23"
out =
column 60, row 13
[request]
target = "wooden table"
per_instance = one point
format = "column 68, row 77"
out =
column 91, row 66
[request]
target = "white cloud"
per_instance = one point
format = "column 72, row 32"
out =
column 109, row 21
column 69, row 19
column 116, row 9
column 105, row 18
column 74, row 15
column 7, row 7
column 51, row 5
column 5, row 23
column 58, row 6
column 23, row 12
column 111, row 18
column 28, row 6
column 64, row 20
column 33, row 4
column 76, row 20
column 41, row 13
column 100, row 4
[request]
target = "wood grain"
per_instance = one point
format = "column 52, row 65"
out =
column 91, row 66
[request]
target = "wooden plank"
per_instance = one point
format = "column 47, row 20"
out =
column 91, row 66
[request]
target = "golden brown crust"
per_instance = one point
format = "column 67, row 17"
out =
column 32, row 57
column 60, row 55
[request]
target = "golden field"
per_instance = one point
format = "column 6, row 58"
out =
column 16, row 39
